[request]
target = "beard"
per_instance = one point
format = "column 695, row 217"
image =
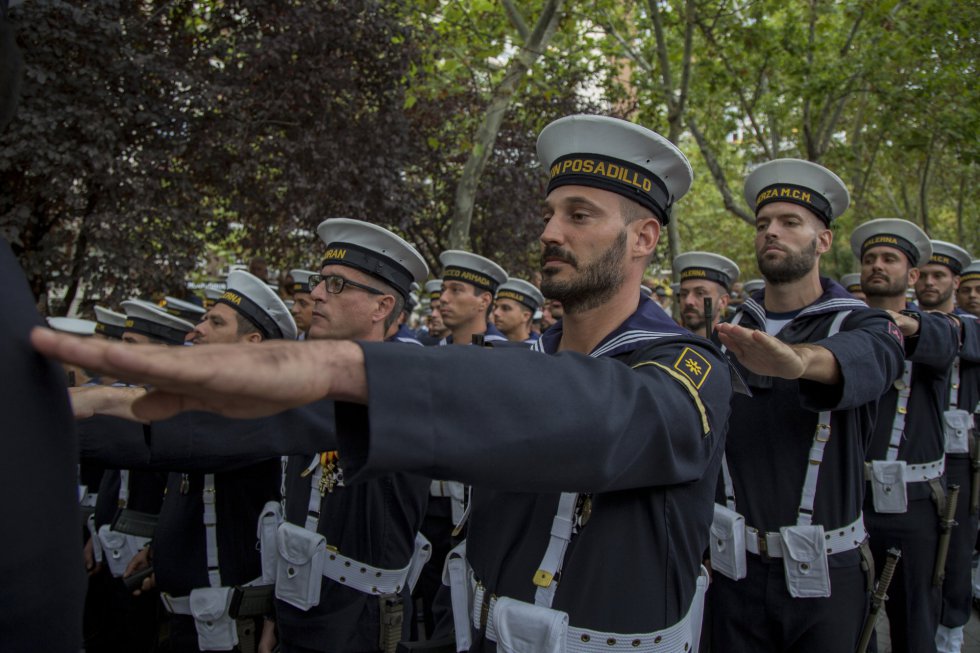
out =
column 595, row 283
column 941, row 298
column 792, row 267
column 893, row 287
column 693, row 320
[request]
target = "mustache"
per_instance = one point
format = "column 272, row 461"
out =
column 554, row 251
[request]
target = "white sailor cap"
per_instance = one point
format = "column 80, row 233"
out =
column 952, row 256
column 753, row 285
column 971, row 272
column 258, row 303
column 150, row 320
column 800, row 182
column 413, row 297
column 433, row 288
column 212, row 292
column 109, row 323
column 183, row 309
column 899, row 234
column 522, row 292
column 706, row 265
column 373, row 250
column 73, row 325
column 618, row 156
column 474, row 269
column 675, row 288
column 301, row 280
column 851, row 281
column 646, row 291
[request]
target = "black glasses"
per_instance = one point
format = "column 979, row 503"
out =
column 336, row 284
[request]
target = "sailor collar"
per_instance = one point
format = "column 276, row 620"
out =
column 648, row 323
column 492, row 334
column 834, row 298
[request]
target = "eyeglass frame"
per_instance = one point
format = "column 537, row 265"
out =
column 316, row 279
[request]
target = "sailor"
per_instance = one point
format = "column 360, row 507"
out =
column 433, row 332
column 400, row 331
column 469, row 282
column 108, row 323
column 906, row 457
column 704, row 276
column 752, row 286
column 788, row 541
column 938, row 279
column 565, row 475
column 514, row 307
column 302, row 308
column 852, row 283
column 968, row 292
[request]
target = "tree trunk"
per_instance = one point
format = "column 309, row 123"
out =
column 486, row 135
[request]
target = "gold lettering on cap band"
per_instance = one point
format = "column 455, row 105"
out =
column 510, row 294
column 232, row 297
column 942, row 260
column 782, row 191
column 603, row 169
column 693, row 272
column 335, row 254
column 879, row 240
column 467, row 275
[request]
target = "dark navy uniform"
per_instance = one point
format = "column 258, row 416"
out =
column 43, row 578
column 957, row 586
column 405, row 335
column 645, row 448
column 913, row 606
column 492, row 334
column 768, row 451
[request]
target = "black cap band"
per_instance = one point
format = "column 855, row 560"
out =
column 970, row 276
column 472, row 277
column 299, row 286
column 616, row 176
column 948, row 261
column 109, row 330
column 518, row 297
column 167, row 334
column 891, row 240
column 372, row 263
column 799, row 195
column 251, row 312
column 706, row 273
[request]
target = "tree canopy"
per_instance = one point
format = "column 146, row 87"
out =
column 156, row 141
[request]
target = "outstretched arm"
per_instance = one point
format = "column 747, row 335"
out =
column 769, row 356
column 232, row 380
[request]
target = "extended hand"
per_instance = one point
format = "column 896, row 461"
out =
column 769, row 356
column 908, row 325
column 234, row 380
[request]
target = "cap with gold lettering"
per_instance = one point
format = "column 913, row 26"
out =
column 150, row 320
column 707, row 266
column 898, row 234
column 183, row 309
column 952, row 256
column 471, row 268
column 799, row 182
column 109, row 323
column 617, row 156
column 433, row 288
column 258, row 303
column 74, row 325
column 373, row 250
column 851, row 282
column 522, row 292
column 301, row 280
column 971, row 272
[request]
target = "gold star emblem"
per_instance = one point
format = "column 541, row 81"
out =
column 693, row 366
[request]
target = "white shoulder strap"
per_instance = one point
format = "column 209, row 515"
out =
column 211, row 531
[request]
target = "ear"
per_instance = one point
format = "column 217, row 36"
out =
column 723, row 299
column 385, row 305
column 913, row 276
column 253, row 337
column 646, row 233
column 956, row 283
column 825, row 238
column 486, row 300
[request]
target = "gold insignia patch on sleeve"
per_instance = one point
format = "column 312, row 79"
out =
column 694, row 366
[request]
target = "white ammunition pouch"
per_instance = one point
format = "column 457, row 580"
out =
column 957, row 423
column 520, row 627
column 268, row 527
column 216, row 630
column 888, row 486
column 728, row 543
column 299, row 569
column 119, row 548
column 805, row 561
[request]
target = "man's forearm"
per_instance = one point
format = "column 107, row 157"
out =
column 819, row 364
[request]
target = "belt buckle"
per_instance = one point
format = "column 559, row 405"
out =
column 763, row 546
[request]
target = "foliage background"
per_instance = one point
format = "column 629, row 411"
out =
column 158, row 142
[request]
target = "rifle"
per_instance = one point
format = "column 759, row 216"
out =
column 946, row 522
column 878, row 598
column 707, row 318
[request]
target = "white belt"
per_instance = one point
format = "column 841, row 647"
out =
column 363, row 577
column 439, row 489
column 838, row 540
column 918, row 472
column 679, row 638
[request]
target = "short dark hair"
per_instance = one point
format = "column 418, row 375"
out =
column 245, row 326
column 631, row 211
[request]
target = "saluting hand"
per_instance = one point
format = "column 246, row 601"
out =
column 232, row 380
column 769, row 356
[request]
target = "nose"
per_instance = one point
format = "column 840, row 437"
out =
column 552, row 233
